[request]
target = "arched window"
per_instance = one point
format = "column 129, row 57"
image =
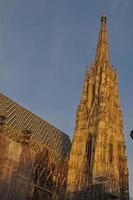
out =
column 111, row 149
column 89, row 150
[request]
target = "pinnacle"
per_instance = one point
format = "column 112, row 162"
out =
column 86, row 72
column 102, row 53
column 85, row 86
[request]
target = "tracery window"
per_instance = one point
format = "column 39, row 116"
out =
column 93, row 92
column 89, row 150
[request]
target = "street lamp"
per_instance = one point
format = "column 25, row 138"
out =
column 131, row 134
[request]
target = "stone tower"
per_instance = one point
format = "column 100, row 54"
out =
column 98, row 162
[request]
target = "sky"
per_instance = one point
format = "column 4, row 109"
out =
column 45, row 46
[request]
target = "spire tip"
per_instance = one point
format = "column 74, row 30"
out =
column 102, row 53
column 103, row 18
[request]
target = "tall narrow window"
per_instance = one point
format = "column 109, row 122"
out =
column 93, row 90
column 111, row 152
column 89, row 150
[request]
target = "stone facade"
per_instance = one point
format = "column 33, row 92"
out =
column 29, row 175
column 98, row 163
column 16, row 163
column 33, row 155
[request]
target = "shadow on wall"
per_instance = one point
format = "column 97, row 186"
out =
column 28, row 175
column 16, row 164
column 95, row 192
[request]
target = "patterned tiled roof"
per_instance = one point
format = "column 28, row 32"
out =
column 43, row 133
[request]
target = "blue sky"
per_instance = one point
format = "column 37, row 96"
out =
column 44, row 47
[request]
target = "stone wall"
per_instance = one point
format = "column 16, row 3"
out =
column 29, row 175
column 16, row 164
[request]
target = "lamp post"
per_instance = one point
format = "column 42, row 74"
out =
column 131, row 134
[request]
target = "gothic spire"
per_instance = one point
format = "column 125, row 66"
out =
column 102, row 53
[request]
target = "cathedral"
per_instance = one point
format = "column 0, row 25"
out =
column 39, row 162
column 98, row 162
